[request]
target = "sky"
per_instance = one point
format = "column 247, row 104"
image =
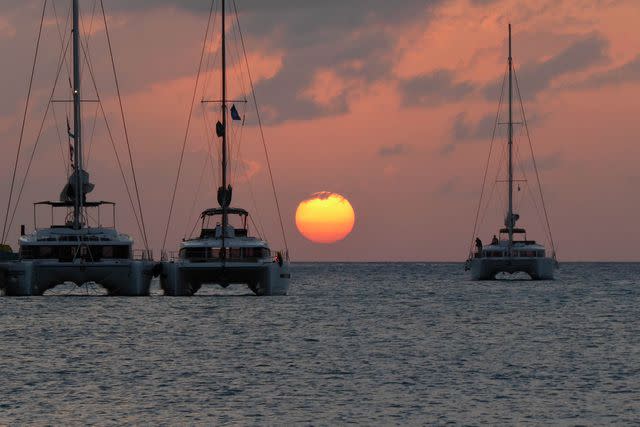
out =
column 390, row 104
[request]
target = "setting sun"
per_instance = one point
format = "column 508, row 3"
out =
column 325, row 217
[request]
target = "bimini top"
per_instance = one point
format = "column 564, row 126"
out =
column 218, row 211
column 56, row 204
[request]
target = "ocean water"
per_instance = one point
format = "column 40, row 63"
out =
column 374, row 344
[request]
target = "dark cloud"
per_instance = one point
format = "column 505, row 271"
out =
column 313, row 35
column 434, row 89
column 535, row 77
column 629, row 72
column 463, row 131
column 393, row 150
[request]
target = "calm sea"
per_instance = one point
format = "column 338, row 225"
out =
column 374, row 344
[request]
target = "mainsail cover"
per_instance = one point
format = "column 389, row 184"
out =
column 68, row 192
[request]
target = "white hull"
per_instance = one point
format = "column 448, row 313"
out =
column 536, row 268
column 184, row 278
column 118, row 277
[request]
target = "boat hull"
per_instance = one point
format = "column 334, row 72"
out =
column 536, row 268
column 185, row 278
column 118, row 277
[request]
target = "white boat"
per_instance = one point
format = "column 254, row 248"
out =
column 78, row 249
column 511, row 251
column 223, row 253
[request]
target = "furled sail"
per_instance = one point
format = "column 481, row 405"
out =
column 68, row 192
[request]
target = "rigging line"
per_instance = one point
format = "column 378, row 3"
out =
column 93, row 130
column 40, row 130
column 213, row 154
column 264, row 144
column 124, row 178
column 535, row 166
column 256, row 227
column 62, row 38
column 239, row 144
column 62, row 151
column 211, row 57
column 24, row 120
column 87, row 34
column 236, row 50
column 87, row 56
column 237, row 135
column 492, row 189
column 186, row 133
column 533, row 198
column 486, row 170
column 197, row 193
column 195, row 225
column 255, row 207
column 251, row 192
column 112, row 140
column 124, row 125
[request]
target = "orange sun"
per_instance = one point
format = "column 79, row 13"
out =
column 325, row 217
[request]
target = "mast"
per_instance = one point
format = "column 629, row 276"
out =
column 226, row 197
column 510, row 213
column 77, row 118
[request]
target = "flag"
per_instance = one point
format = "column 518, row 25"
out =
column 234, row 113
column 219, row 130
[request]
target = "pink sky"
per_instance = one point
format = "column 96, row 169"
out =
column 380, row 102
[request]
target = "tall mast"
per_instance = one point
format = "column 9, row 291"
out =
column 227, row 194
column 77, row 118
column 510, row 213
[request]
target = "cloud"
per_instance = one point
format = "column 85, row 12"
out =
column 393, row 150
column 535, row 77
column 463, row 131
column 313, row 37
column 434, row 88
column 324, row 195
column 628, row 72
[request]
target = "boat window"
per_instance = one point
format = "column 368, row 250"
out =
column 45, row 251
column 107, row 251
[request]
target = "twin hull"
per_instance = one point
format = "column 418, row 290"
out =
column 183, row 278
column 118, row 277
column 487, row 268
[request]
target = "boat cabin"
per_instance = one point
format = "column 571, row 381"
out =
column 231, row 244
column 521, row 247
column 92, row 242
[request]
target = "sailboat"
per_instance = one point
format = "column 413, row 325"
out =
column 78, row 249
column 511, row 251
column 225, row 253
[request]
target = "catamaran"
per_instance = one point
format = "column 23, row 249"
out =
column 78, row 248
column 225, row 252
column 511, row 251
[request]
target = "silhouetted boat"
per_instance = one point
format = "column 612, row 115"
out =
column 77, row 250
column 511, row 251
column 224, row 254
